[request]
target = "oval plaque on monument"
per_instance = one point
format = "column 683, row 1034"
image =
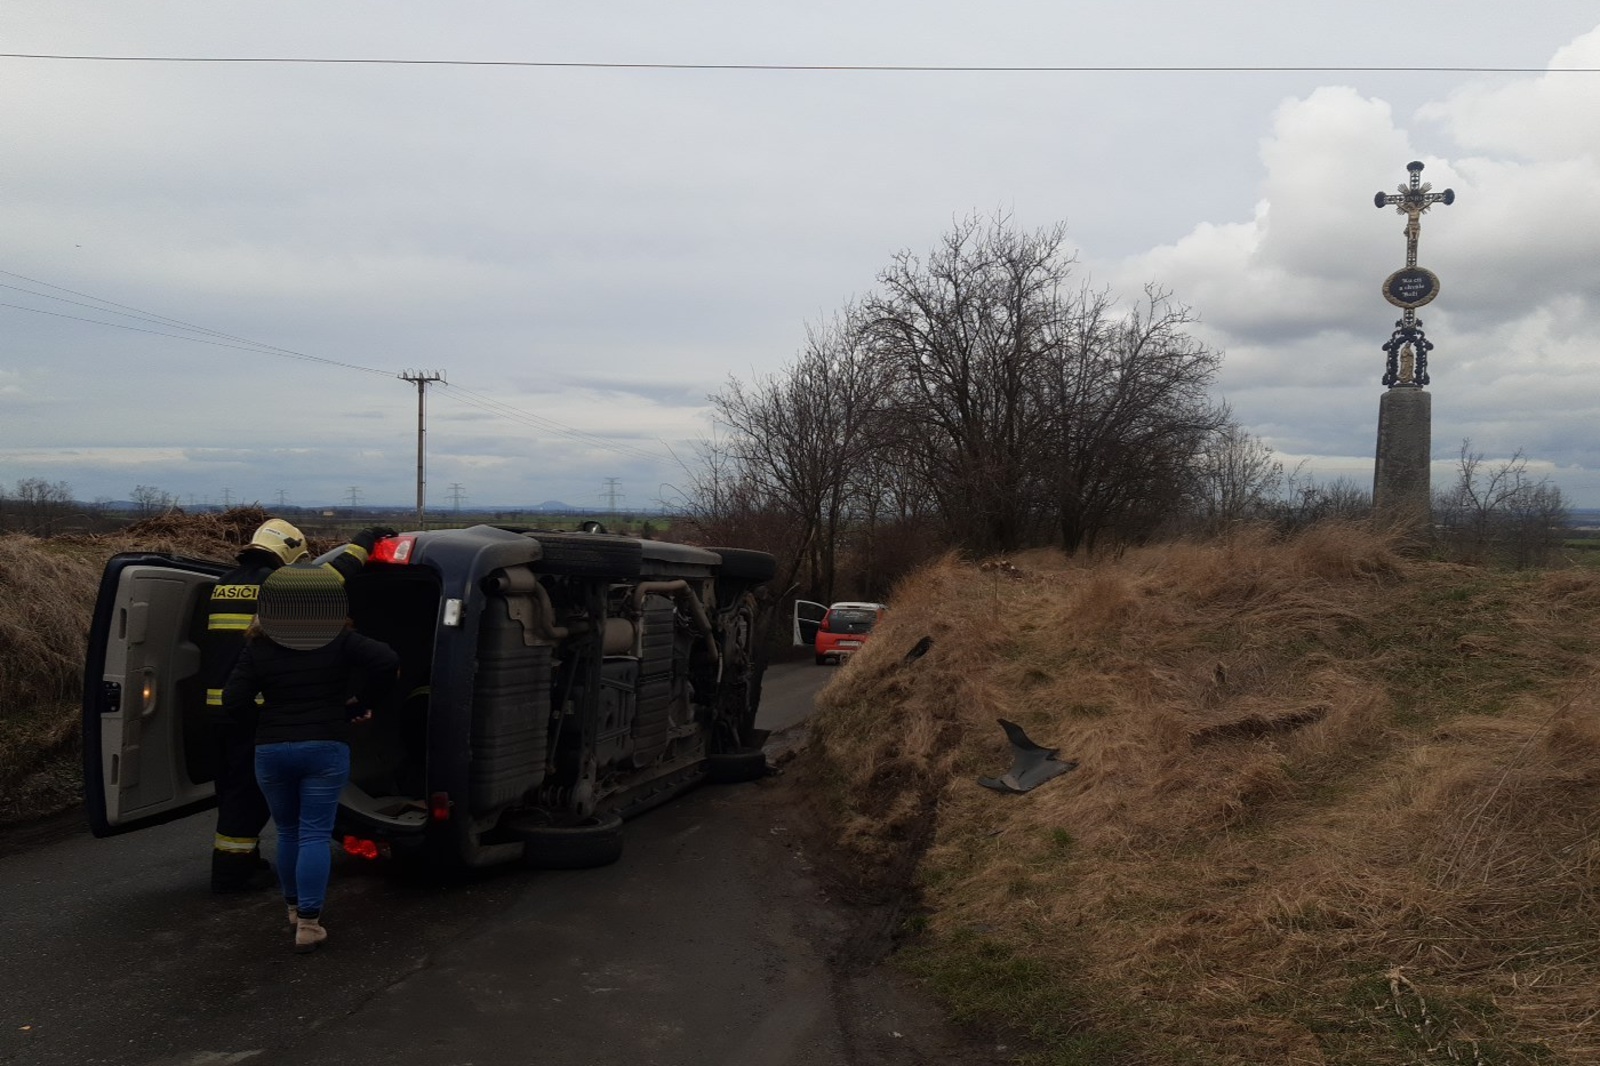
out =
column 1411, row 287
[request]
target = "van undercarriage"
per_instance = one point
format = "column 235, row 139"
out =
column 551, row 684
column 605, row 676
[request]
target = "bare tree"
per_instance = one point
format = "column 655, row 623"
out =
column 1307, row 501
column 40, row 503
column 975, row 387
column 967, row 335
column 723, row 504
column 1130, row 417
column 800, row 441
column 1238, row 477
column 149, row 501
column 1533, row 526
column 1500, row 511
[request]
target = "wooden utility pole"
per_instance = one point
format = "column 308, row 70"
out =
column 421, row 378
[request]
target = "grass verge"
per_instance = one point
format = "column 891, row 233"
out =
column 1310, row 769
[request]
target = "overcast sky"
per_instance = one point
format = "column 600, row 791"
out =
column 588, row 253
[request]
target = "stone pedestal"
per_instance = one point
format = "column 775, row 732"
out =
column 1401, row 487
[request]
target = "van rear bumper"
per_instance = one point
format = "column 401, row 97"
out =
column 393, row 819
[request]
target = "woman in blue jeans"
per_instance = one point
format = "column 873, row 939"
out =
column 299, row 657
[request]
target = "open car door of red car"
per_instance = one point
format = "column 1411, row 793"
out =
column 807, row 620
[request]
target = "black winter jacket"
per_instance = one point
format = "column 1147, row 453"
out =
column 232, row 608
column 304, row 692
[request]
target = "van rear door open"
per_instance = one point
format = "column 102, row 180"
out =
column 146, row 729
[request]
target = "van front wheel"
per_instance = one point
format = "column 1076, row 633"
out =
column 595, row 841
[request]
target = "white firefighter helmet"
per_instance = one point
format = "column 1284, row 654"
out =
column 280, row 538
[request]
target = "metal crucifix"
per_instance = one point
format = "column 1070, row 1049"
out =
column 1411, row 286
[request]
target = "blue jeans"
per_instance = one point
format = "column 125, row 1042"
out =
column 302, row 780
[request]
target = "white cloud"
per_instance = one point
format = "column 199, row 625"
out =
column 1292, row 295
column 604, row 248
column 1544, row 119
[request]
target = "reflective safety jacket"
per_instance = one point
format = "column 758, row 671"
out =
column 233, row 608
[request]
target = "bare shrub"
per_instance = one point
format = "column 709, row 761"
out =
column 1499, row 512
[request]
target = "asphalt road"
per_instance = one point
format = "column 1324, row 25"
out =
column 711, row 942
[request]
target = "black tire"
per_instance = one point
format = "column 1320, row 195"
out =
column 587, row 555
column 746, row 564
column 822, row 660
column 596, row 841
column 736, row 767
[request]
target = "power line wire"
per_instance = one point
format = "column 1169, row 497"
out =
column 207, row 336
column 125, row 309
column 134, row 311
column 249, row 346
column 884, row 68
column 475, row 399
column 153, row 320
column 129, row 311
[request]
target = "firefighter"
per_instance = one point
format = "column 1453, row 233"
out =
column 236, row 862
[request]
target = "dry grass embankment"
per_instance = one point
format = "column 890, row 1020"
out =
column 47, row 593
column 1333, row 805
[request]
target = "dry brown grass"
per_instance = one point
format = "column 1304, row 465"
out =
column 47, row 593
column 1333, row 805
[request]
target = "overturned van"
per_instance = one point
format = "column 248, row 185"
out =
column 552, row 684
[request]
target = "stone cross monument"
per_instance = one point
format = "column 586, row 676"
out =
column 1401, row 488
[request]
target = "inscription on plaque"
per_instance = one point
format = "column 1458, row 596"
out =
column 1411, row 287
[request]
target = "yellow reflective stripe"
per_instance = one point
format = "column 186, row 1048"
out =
column 235, row 845
column 213, row 697
column 420, row 690
column 229, row 622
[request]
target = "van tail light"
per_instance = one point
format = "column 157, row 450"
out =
column 147, row 692
column 395, row 550
column 439, row 806
column 362, row 848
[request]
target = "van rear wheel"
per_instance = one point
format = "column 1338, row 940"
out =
column 734, row 767
column 745, row 564
column 595, row 841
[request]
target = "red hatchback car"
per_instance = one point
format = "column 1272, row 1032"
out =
column 843, row 628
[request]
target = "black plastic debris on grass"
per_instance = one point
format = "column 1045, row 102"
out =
column 918, row 650
column 1031, row 765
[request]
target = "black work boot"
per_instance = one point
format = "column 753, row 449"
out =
column 240, row 871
